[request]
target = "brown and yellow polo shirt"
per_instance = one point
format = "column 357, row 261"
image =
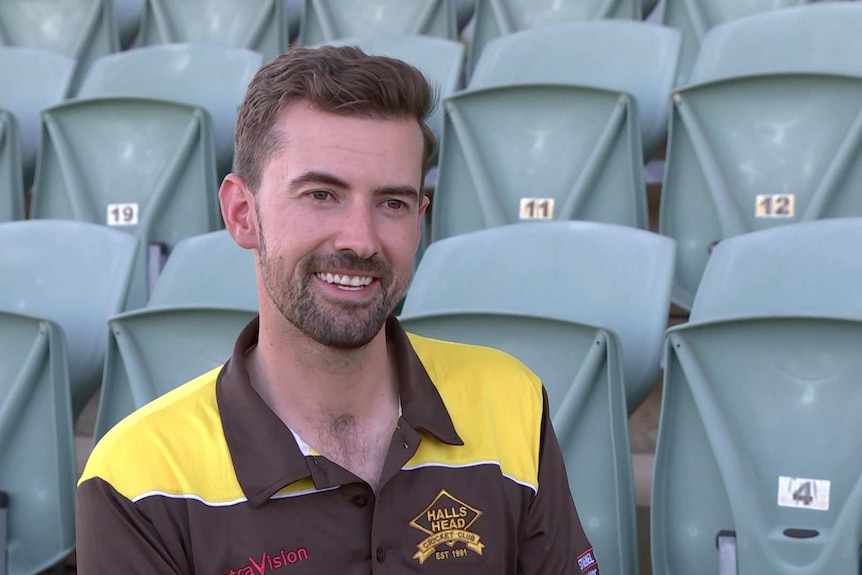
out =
column 208, row 480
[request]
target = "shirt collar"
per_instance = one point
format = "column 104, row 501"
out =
column 265, row 453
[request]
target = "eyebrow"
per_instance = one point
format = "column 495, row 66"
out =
column 314, row 177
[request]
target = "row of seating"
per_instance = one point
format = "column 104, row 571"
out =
column 764, row 135
column 765, row 363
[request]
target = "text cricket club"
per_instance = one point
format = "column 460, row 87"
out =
column 446, row 522
column 269, row 562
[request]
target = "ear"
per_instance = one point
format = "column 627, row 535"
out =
column 239, row 211
column 423, row 206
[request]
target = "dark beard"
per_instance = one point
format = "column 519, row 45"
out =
column 344, row 325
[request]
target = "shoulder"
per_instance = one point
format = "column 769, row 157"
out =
column 494, row 401
column 449, row 364
column 172, row 446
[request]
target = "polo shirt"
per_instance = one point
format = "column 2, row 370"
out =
column 208, row 480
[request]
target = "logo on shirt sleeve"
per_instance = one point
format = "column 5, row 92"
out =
column 587, row 562
column 446, row 521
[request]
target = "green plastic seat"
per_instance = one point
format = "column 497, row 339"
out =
column 824, row 38
column 210, row 76
column 33, row 79
column 145, row 167
column 37, row 452
column 495, row 18
column 74, row 274
column 800, row 270
column 11, row 182
column 204, row 297
column 694, row 18
column 613, row 277
column 259, row 25
column 439, row 59
column 82, row 30
column 757, row 415
column 327, row 20
column 775, row 142
column 637, row 58
column 760, row 411
column 538, row 151
column 581, row 369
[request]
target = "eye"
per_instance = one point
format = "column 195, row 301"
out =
column 396, row 204
column 320, row 195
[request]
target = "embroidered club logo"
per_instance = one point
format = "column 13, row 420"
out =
column 446, row 521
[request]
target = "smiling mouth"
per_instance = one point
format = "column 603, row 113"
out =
column 345, row 282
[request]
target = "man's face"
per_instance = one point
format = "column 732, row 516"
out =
column 339, row 215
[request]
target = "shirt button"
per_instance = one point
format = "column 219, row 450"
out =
column 381, row 554
column 360, row 501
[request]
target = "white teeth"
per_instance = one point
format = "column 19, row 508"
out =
column 345, row 281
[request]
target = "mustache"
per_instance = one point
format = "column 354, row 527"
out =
column 347, row 260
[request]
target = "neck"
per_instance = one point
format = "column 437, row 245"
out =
column 305, row 382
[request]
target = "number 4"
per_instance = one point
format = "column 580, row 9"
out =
column 803, row 494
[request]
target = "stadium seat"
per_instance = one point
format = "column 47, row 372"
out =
column 495, row 18
column 83, row 30
column 802, row 269
column 145, row 167
column 694, row 18
column 259, row 25
column 439, row 59
column 11, row 182
column 581, row 368
column 203, row 299
column 613, row 277
column 76, row 275
column 327, row 20
column 637, row 58
column 33, row 79
column 37, row 453
column 538, row 152
column 756, row 468
column 774, row 143
column 210, row 76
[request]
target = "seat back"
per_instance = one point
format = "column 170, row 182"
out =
column 612, row 277
column 758, row 437
column 816, row 38
column 209, row 270
column 205, row 295
column 33, row 79
column 326, row 20
column 152, row 351
column 11, row 183
column 82, row 30
column 76, row 275
column 495, row 18
column 37, row 453
column 538, row 151
column 441, row 61
column 757, row 152
column 581, row 369
column 694, row 18
column 259, row 25
column 807, row 269
column 145, row 167
column 210, row 76
column 637, row 58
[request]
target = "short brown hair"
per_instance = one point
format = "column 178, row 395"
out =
column 339, row 80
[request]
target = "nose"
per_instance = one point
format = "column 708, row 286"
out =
column 357, row 231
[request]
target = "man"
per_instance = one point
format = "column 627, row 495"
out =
column 331, row 442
